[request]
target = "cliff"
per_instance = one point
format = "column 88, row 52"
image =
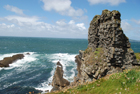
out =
column 108, row 50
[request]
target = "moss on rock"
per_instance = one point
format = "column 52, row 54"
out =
column 137, row 56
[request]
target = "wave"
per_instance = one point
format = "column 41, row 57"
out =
column 21, row 62
column 32, row 66
column 67, row 60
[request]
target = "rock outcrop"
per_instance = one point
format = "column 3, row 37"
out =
column 108, row 49
column 58, row 81
column 8, row 60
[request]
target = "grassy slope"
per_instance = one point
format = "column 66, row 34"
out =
column 127, row 82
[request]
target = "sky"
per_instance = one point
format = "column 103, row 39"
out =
column 63, row 18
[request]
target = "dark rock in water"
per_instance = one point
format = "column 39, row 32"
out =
column 58, row 81
column 8, row 60
column 108, row 48
column 46, row 91
column 27, row 53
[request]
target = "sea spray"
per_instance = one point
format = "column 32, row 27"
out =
column 67, row 61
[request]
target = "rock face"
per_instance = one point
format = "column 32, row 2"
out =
column 58, row 80
column 8, row 60
column 108, row 48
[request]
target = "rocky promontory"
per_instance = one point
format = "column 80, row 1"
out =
column 108, row 50
column 8, row 60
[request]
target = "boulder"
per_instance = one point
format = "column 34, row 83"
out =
column 108, row 48
column 8, row 60
column 58, row 81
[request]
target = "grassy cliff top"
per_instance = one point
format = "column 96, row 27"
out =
column 138, row 56
column 127, row 82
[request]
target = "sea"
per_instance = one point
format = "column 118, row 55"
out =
column 34, row 72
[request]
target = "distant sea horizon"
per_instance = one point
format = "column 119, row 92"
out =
column 44, row 37
column 35, row 71
column 132, row 40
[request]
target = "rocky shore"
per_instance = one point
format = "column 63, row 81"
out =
column 8, row 60
column 109, row 51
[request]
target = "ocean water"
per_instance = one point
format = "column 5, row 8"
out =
column 35, row 71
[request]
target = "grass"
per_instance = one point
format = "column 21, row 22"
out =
column 137, row 56
column 127, row 82
column 96, row 56
column 88, row 50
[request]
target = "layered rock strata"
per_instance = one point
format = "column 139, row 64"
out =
column 8, row 60
column 58, row 81
column 108, row 49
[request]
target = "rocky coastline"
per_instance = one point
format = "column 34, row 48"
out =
column 109, row 51
column 9, row 60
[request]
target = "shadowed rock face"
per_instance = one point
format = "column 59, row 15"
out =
column 8, row 60
column 108, row 48
column 58, row 80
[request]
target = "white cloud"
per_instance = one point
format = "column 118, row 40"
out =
column 136, row 21
column 33, row 27
column 20, row 20
column 111, row 2
column 14, row 9
column 3, row 25
column 62, row 6
column 71, row 22
column 132, row 30
column 81, row 26
column 126, row 26
column 57, row 5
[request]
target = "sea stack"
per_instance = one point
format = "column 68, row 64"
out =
column 108, row 50
column 58, row 81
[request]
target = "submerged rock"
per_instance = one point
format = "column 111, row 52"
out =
column 8, row 60
column 108, row 49
column 58, row 81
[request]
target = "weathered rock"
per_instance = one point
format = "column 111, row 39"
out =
column 8, row 60
column 108, row 48
column 58, row 81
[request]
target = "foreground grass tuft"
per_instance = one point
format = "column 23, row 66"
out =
column 127, row 82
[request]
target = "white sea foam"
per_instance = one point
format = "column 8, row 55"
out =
column 22, row 65
column 66, row 60
column 21, row 62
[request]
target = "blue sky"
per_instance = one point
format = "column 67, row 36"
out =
column 63, row 18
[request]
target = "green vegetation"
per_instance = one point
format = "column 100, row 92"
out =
column 96, row 17
column 127, row 82
column 96, row 56
column 115, row 12
column 88, row 50
column 130, row 49
column 137, row 56
column 105, row 11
